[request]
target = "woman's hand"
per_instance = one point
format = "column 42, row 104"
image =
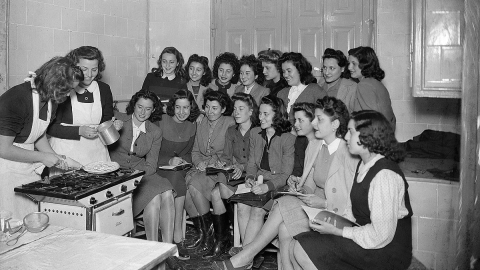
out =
column 87, row 132
column 249, row 182
column 220, row 164
column 292, row 182
column 176, row 161
column 313, row 201
column 200, row 118
column 51, row 159
column 202, row 166
column 260, row 189
column 72, row 164
column 237, row 172
column 324, row 227
column 118, row 124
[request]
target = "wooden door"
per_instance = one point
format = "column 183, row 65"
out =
column 247, row 26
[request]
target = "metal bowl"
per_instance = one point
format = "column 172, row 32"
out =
column 36, row 222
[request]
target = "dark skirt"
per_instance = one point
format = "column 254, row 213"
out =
column 149, row 187
column 328, row 251
column 177, row 179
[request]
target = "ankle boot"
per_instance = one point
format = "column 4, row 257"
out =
column 197, row 223
column 221, row 243
column 207, row 228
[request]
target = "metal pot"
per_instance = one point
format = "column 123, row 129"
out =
column 107, row 133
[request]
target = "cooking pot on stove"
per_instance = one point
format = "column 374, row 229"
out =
column 107, row 133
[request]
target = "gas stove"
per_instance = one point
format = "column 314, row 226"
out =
column 82, row 200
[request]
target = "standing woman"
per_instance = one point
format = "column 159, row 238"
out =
column 379, row 203
column 251, row 77
column 272, row 156
column 207, row 148
column 371, row 93
column 272, row 70
column 138, row 148
column 26, row 110
column 179, row 130
column 297, row 71
column 199, row 76
column 337, row 78
column 226, row 70
column 73, row 132
column 169, row 77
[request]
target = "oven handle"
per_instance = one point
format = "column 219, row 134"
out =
column 119, row 213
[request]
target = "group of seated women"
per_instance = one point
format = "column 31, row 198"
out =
column 270, row 121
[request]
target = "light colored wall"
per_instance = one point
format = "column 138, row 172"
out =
column 183, row 24
column 42, row 29
column 414, row 115
column 3, row 46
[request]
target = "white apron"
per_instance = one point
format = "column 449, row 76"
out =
column 85, row 150
column 13, row 174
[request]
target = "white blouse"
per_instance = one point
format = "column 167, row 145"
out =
column 387, row 205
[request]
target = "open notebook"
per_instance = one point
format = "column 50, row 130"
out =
column 322, row 214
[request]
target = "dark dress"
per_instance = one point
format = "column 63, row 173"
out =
column 301, row 143
column 178, row 139
column 275, row 87
column 328, row 251
column 163, row 87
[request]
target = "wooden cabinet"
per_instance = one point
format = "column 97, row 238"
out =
column 306, row 26
column 437, row 48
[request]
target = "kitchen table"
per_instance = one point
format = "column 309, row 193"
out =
column 65, row 248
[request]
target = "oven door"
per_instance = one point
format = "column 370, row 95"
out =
column 115, row 217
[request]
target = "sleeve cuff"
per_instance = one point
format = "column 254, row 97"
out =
column 270, row 185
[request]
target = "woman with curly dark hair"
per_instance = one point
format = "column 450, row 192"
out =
column 379, row 203
column 169, row 77
column 371, row 93
column 272, row 70
column 251, row 77
column 337, row 78
column 207, row 148
column 303, row 87
column 73, row 132
column 138, row 148
column 198, row 76
column 226, row 70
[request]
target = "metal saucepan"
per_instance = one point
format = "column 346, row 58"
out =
column 107, row 133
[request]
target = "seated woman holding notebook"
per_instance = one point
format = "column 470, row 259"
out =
column 379, row 202
column 327, row 179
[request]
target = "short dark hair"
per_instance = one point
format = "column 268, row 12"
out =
column 179, row 71
column 377, row 135
column 251, row 103
column 255, row 65
column 307, row 107
column 146, row 94
column 227, row 58
column 368, row 62
column 301, row 64
column 184, row 94
column 342, row 60
column 54, row 79
column 271, row 56
column 280, row 119
column 89, row 53
column 335, row 109
column 207, row 77
column 220, row 97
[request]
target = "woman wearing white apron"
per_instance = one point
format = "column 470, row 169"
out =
column 25, row 113
column 73, row 133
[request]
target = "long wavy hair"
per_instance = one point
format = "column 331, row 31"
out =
column 54, row 79
column 227, row 58
column 207, row 76
column 342, row 60
column 146, row 94
column 271, row 56
column 251, row 103
column 89, row 53
column 222, row 98
column 280, row 119
column 255, row 65
column 184, row 94
column 301, row 64
column 368, row 62
column 179, row 71
column 377, row 135
column 335, row 109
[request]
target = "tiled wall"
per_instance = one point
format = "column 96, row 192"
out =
column 414, row 115
column 42, row 29
column 435, row 222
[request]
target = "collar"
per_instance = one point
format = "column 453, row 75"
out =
column 141, row 127
column 333, row 146
column 299, row 87
column 170, row 77
column 263, row 132
column 334, row 87
column 214, row 123
column 248, row 89
column 365, row 167
column 221, row 86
